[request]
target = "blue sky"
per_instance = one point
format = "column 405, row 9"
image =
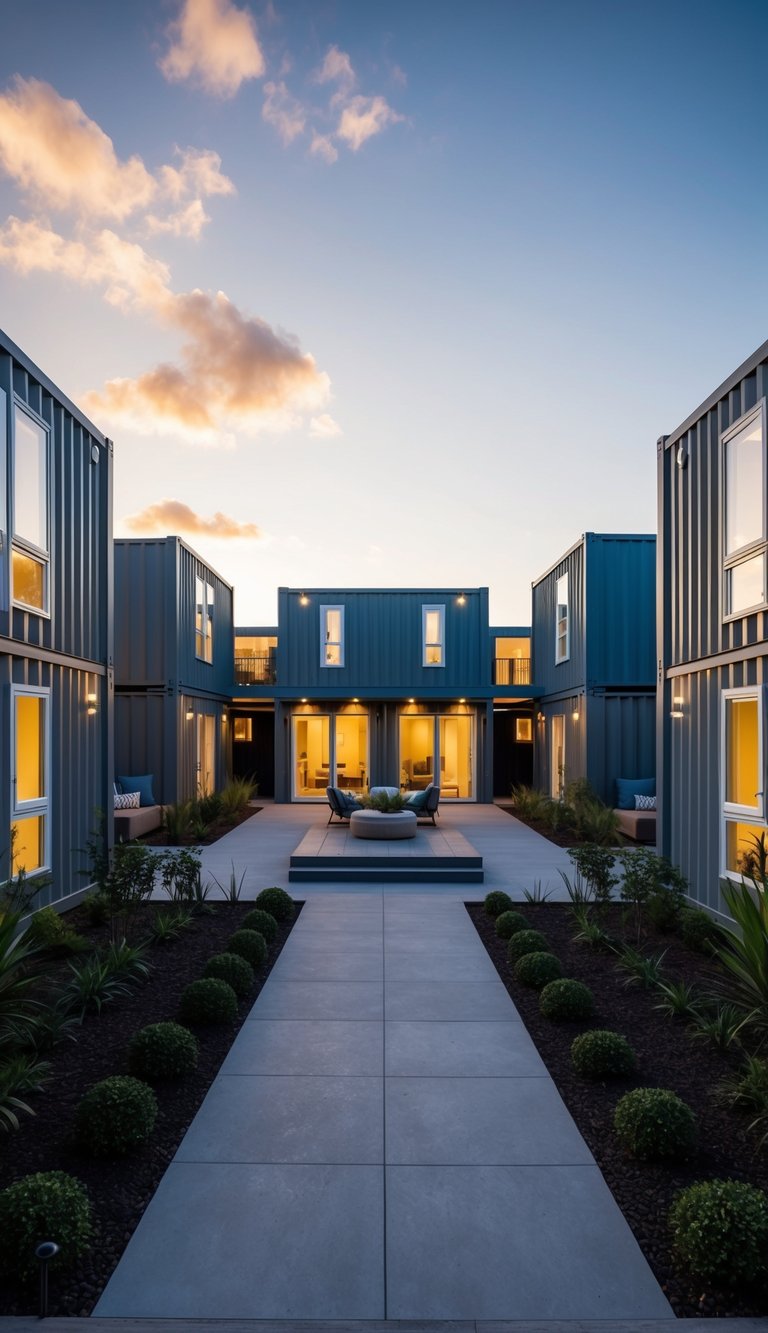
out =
column 538, row 247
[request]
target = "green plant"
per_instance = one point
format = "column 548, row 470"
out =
column 642, row 969
column 236, row 795
column 525, row 941
column 566, row 1001
column 179, row 874
column 97, row 908
column 19, row 1074
column 208, row 1001
column 115, row 1116
column 264, row 922
column 720, row 1231
column 91, row 985
column 699, row 930
column 509, row 923
column 743, row 953
column 235, row 886
column 39, row 1207
column 597, row 823
column 753, row 863
column 680, row 999
column 200, row 894
column 497, row 902
column 233, row 968
column 177, row 818
column 596, row 867
column 168, row 926
column 528, row 802
column 602, row 1054
column 746, row 1089
column 127, row 960
column 49, row 931
column 162, row 1051
column 538, row 894
column 646, row 877
column 277, row 902
column 51, row 1024
column 249, row 944
column 556, row 815
column 655, row 1123
column 388, row 803
column 717, row 1023
column 18, row 1005
column 536, row 969
column 18, row 893
column 588, row 931
column 578, row 890
column 210, row 807
column 129, row 884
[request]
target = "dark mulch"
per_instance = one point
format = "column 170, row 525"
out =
column 215, row 831
column 120, row 1190
column 563, row 838
column 667, row 1057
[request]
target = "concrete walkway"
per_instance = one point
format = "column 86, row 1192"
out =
column 383, row 1142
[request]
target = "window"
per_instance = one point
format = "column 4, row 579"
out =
column 523, row 729
column 29, row 562
column 744, row 530
column 742, row 775
column 243, row 729
column 203, row 620
column 30, row 800
column 433, row 636
column 332, row 636
column 562, row 630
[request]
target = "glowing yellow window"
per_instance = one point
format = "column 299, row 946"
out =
column 30, row 748
column 743, row 782
column 28, row 580
column 742, row 846
column 28, row 841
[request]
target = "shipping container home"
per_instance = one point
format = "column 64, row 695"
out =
column 713, row 633
column 174, row 654
column 55, row 629
column 594, row 662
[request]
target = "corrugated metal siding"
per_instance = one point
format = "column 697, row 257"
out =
column 571, row 674
column 195, row 674
column 140, row 739
column 620, row 610
column 622, row 740
column 575, row 743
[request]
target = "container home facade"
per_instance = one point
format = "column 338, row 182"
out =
column 55, row 628
column 174, row 653
column 594, row 663
column 713, row 632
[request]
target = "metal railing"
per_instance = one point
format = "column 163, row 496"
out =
column 256, row 669
column 512, row 671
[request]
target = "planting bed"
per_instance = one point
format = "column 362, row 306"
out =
column 667, row 1057
column 121, row 1189
column 215, row 830
column 562, row 838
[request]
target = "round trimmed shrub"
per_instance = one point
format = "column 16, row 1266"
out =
column 509, row 924
column 49, row 1205
column 720, row 1231
column 602, row 1054
column 233, row 968
column 250, row 945
column 162, row 1050
column 208, row 1001
column 277, row 902
column 525, row 941
column 497, row 902
column 699, row 930
column 537, row 969
column 115, row 1116
column 566, row 1001
column 264, row 922
column 653, row 1123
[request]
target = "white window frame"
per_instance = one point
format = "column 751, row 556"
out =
column 325, row 642
column 204, row 636
column 40, row 807
column 730, row 811
column 20, row 543
column 759, row 546
column 565, row 656
column 426, row 608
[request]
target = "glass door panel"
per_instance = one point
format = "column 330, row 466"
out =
column 417, row 749
column 557, row 762
column 352, row 752
column 311, row 756
column 206, row 754
column 456, row 758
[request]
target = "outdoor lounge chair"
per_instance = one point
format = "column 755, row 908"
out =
column 341, row 805
column 424, row 803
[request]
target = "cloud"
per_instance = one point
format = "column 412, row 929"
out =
column 129, row 276
column 187, row 221
column 322, row 146
column 363, row 117
column 174, row 516
column 336, row 68
column 213, row 44
column 324, row 427
column 283, row 111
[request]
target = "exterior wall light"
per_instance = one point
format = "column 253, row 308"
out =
column 190, row 713
column 539, row 717
column 91, row 700
column 575, row 714
column 355, row 701
column 461, row 600
column 462, row 701
column 678, row 699
column 303, row 599
column 303, row 701
column 677, row 712
column 411, row 701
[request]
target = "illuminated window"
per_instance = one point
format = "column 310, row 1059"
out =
column 743, row 786
column 30, row 779
column 433, row 636
column 562, row 623
column 523, row 729
column 203, row 620
column 744, row 529
column 243, row 729
column 332, row 636
column 29, row 565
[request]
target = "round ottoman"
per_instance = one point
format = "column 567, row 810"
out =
column 373, row 824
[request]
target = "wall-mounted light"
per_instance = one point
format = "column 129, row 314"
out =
column 461, row 600
column 355, row 701
column 91, row 700
column 575, row 714
column 411, row 701
column 678, row 699
column 539, row 717
column 462, row 701
column 190, row 713
column 303, row 701
column 303, row 599
column 677, row 712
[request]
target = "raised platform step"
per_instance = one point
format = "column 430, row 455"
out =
column 331, row 854
column 341, row 873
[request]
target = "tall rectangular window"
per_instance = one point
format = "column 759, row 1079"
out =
column 29, row 563
column 742, row 775
column 332, row 636
column 203, row 620
column 562, row 621
column 433, row 636
column 744, row 525
column 30, row 800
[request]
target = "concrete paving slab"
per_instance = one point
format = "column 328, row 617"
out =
column 256, row 1242
column 307, row 1047
column 460, row 1050
column 312, row 962
column 423, row 965
column 321, row 999
column 512, row 1242
column 446, row 1001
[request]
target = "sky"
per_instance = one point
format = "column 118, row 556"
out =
column 395, row 294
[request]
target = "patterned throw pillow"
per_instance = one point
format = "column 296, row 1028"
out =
column 645, row 802
column 130, row 800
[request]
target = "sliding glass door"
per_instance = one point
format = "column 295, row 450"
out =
column 439, row 749
column 329, row 752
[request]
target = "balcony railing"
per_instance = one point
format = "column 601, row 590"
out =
column 512, row 671
column 256, row 669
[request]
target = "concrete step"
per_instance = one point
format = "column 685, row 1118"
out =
column 342, row 873
column 61, row 1325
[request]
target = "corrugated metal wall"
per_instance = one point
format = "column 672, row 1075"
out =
column 620, row 608
column 569, row 675
column 621, row 740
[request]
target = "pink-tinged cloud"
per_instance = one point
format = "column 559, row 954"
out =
column 215, row 46
column 322, row 146
column 362, row 118
column 336, row 68
column 283, row 112
column 324, row 427
column 127, row 274
column 174, row 516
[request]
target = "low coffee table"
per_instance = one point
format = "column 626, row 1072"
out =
column 385, row 828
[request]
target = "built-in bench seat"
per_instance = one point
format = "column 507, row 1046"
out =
column 131, row 824
column 640, row 825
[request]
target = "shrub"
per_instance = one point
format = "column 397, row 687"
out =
column 642, row 969
column 497, row 902
column 277, row 902
column 179, row 875
column 509, row 923
column 566, row 1001
column 48, row 930
column 596, row 866
column 720, row 1231
column 97, row 908
column 602, row 1054
column 699, row 930
column 115, row 1116
column 597, row 823
column 235, row 796
column 234, row 969
column 647, row 877
column 49, row 1205
column 537, row 969
column 525, row 941
column 264, row 922
column 209, row 1000
column 209, row 807
column 528, row 802
column 250, row 945
column 653, row 1123
column 162, row 1050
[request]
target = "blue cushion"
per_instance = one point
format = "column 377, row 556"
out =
column 143, row 785
column 350, row 802
column 417, row 800
column 628, row 788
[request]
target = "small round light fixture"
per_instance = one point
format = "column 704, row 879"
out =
column 411, row 701
column 461, row 600
column 462, row 701
column 303, row 599
column 575, row 714
column 304, row 701
column 355, row 701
